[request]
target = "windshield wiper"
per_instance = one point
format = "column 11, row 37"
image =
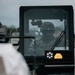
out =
column 58, row 40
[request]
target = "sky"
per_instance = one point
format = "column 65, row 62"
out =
column 9, row 9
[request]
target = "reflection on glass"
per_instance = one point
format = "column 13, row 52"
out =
column 45, row 37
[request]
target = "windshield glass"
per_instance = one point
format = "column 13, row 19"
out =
column 50, row 34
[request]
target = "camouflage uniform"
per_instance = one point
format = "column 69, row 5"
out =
column 38, row 47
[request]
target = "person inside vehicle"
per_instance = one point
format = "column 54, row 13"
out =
column 38, row 47
column 47, row 29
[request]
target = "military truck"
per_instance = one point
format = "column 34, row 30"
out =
column 58, row 58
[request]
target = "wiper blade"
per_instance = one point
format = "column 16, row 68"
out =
column 58, row 40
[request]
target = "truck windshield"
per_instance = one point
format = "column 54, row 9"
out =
column 50, row 33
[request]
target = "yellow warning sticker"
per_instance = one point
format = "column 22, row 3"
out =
column 58, row 56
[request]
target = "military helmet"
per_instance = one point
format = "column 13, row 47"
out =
column 47, row 26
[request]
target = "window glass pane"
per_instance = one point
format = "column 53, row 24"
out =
column 50, row 32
